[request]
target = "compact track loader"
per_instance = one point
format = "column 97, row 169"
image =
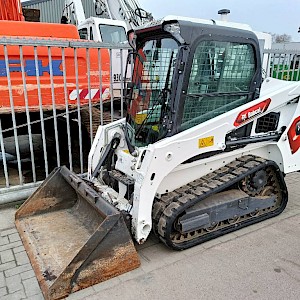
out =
column 202, row 152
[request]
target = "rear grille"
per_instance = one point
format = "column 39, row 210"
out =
column 267, row 123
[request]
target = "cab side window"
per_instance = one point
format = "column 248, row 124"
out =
column 83, row 33
column 220, row 80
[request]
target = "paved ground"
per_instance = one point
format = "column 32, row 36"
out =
column 258, row 262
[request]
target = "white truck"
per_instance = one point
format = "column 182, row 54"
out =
column 114, row 19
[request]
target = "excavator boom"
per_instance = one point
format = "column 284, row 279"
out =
column 128, row 11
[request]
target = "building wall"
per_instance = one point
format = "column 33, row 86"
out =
column 51, row 10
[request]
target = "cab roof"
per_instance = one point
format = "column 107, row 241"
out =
column 174, row 18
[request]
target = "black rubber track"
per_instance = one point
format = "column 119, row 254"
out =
column 172, row 205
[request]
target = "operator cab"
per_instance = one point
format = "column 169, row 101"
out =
column 188, row 71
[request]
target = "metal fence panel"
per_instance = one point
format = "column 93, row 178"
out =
column 282, row 64
column 53, row 96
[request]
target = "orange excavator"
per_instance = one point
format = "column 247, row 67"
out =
column 10, row 12
column 48, row 31
column 39, row 79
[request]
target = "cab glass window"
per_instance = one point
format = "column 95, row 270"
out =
column 220, row 80
column 83, row 33
column 112, row 33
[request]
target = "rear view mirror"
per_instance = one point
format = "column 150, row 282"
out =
column 131, row 39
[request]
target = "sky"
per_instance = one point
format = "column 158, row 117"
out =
column 276, row 16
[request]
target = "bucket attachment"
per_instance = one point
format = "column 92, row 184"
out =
column 73, row 237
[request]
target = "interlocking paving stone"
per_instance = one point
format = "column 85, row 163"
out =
column 6, row 256
column 22, row 258
column 27, row 274
column 17, row 270
column 10, row 246
column 14, row 237
column 38, row 296
column 8, row 231
column 3, row 291
column 19, row 249
column 2, row 280
column 15, row 296
column 3, row 240
column 14, row 283
column 31, row 286
column 7, row 266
